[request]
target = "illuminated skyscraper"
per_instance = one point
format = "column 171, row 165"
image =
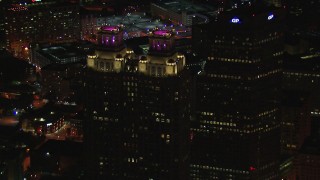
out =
column 138, row 110
column 237, row 131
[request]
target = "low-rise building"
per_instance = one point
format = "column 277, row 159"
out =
column 43, row 55
column 183, row 12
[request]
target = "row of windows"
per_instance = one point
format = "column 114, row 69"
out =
column 130, row 84
column 158, row 114
column 224, row 76
column 234, row 60
column 265, row 74
column 197, row 166
column 219, row 123
column 287, row 123
column 301, row 74
column 267, row 40
column 207, row 113
column 291, row 146
column 233, row 116
column 105, row 119
column 201, row 130
column 278, row 53
column 214, row 129
column 265, row 113
column 162, row 120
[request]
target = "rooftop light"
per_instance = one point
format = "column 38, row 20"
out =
column 235, row 20
column 270, row 17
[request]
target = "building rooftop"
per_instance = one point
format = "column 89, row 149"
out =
column 58, row 52
column 61, row 54
column 139, row 25
column 110, row 28
column 134, row 25
column 249, row 10
column 180, row 6
column 162, row 33
column 256, row 14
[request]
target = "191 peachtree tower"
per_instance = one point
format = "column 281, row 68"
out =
column 138, row 109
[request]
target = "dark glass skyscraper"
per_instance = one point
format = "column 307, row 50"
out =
column 138, row 110
column 237, row 131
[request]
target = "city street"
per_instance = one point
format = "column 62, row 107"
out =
column 60, row 134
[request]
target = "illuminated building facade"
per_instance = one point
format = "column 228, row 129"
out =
column 237, row 132
column 48, row 21
column 137, row 109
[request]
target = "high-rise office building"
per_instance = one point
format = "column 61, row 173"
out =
column 36, row 21
column 237, row 132
column 137, row 109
